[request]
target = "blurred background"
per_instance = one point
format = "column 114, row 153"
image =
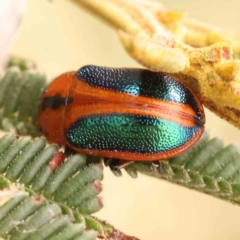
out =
column 61, row 37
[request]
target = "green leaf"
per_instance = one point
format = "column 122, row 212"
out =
column 22, row 63
column 26, row 214
column 29, row 217
column 20, row 92
column 209, row 167
column 45, row 170
column 55, row 195
column 4, row 182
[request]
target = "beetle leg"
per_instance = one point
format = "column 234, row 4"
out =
column 69, row 151
column 116, row 164
column 158, row 165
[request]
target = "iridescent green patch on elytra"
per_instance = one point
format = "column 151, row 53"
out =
column 128, row 133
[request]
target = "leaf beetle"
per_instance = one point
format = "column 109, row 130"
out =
column 121, row 113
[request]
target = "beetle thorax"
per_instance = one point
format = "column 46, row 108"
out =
column 52, row 109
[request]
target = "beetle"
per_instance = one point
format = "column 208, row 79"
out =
column 121, row 113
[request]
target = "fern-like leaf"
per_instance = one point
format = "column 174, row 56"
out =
column 209, row 167
column 45, row 170
column 44, row 195
column 20, row 92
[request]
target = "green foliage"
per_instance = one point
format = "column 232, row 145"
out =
column 38, row 167
column 22, row 63
column 20, row 92
column 48, row 184
column 209, row 167
column 25, row 216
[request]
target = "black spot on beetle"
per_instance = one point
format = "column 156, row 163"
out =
column 55, row 101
